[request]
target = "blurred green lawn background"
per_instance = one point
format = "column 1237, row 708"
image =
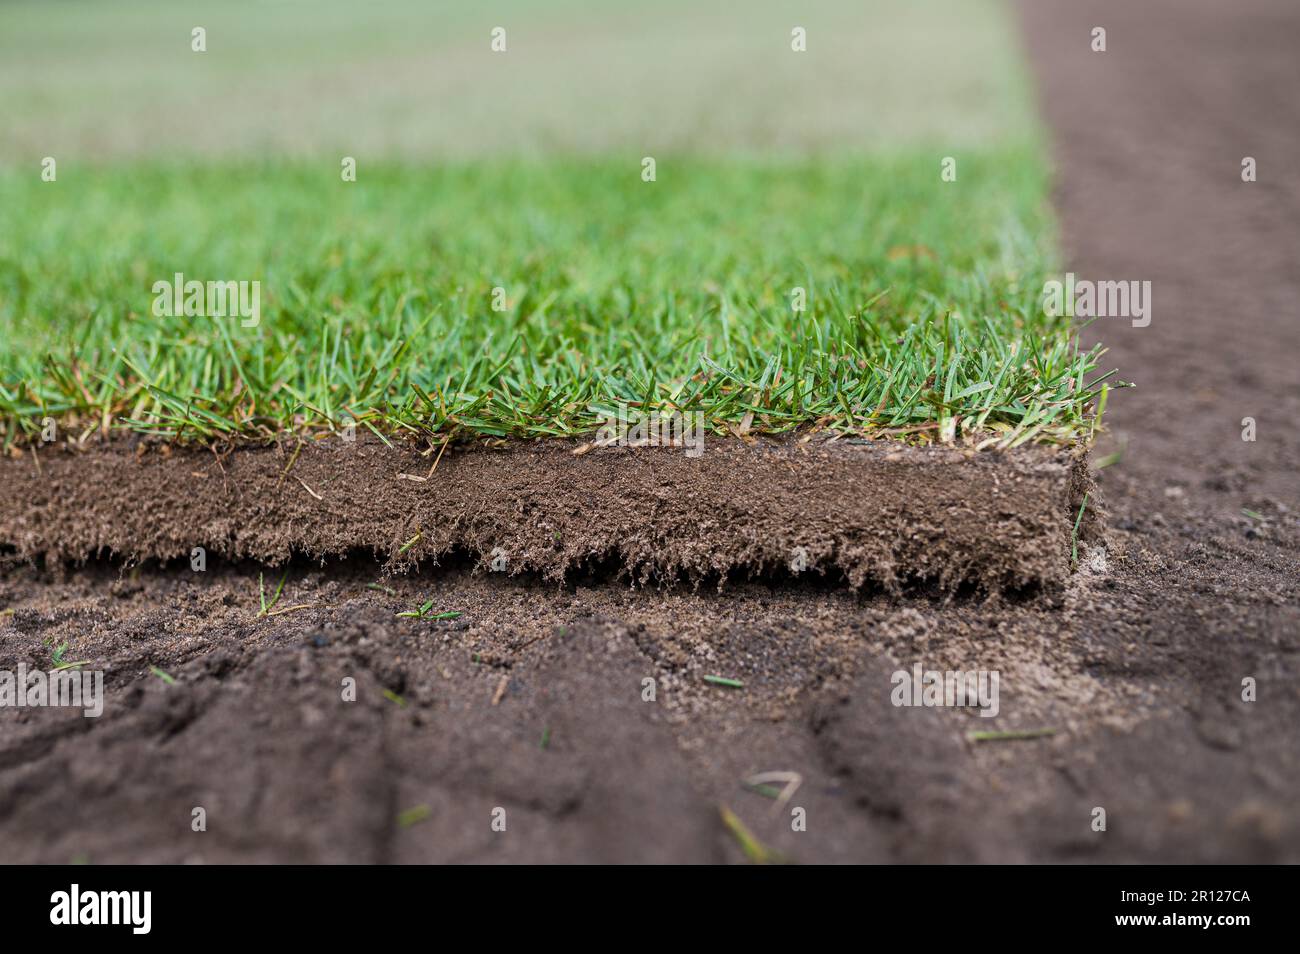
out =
column 93, row 80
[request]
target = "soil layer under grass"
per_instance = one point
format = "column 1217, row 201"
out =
column 863, row 512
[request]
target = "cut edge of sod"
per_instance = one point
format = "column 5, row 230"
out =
column 876, row 513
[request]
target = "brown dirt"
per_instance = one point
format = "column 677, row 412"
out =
column 532, row 699
column 876, row 512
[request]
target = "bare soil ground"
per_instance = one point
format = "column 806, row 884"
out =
column 532, row 699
